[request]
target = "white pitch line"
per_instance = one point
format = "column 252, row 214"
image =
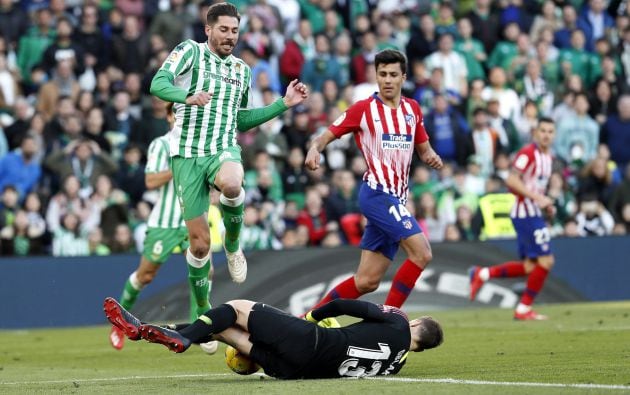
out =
column 507, row 383
column 399, row 379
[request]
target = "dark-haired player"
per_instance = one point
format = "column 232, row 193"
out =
column 288, row 347
column 388, row 129
column 528, row 181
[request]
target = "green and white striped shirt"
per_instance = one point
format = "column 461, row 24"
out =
column 204, row 131
column 166, row 213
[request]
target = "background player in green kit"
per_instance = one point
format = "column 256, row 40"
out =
column 166, row 231
column 210, row 89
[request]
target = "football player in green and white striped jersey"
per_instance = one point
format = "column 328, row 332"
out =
column 166, row 231
column 210, row 89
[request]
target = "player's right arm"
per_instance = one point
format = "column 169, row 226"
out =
column 348, row 122
column 178, row 62
column 515, row 183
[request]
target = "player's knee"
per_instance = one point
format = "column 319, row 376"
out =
column 199, row 249
column 547, row 262
column 366, row 285
column 422, row 258
column 231, row 189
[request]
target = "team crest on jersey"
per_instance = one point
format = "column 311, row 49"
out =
column 172, row 58
column 407, row 224
column 237, row 67
column 396, row 141
column 339, row 120
column 410, row 120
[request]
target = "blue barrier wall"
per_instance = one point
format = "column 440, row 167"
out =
column 46, row 291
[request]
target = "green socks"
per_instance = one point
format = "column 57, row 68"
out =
column 131, row 291
column 198, row 270
column 232, row 219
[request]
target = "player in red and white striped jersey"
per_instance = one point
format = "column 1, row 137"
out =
column 388, row 129
column 528, row 180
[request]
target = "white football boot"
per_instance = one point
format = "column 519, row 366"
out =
column 237, row 265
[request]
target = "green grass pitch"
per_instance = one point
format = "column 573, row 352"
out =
column 583, row 348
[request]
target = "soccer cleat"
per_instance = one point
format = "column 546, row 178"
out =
column 475, row 281
column 531, row 315
column 237, row 265
column 121, row 319
column 210, row 347
column 168, row 337
column 117, row 338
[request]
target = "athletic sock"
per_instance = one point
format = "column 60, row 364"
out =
column 507, row 269
column 133, row 286
column 535, row 282
column 404, row 280
column 212, row 321
column 232, row 219
column 198, row 270
column 347, row 289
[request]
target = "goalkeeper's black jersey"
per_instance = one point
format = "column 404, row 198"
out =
column 377, row 345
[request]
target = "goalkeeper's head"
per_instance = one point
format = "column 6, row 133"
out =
column 426, row 333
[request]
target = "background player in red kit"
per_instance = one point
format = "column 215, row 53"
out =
column 527, row 180
column 388, row 128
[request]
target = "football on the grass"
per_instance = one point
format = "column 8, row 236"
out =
column 238, row 362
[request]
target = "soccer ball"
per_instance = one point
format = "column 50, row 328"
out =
column 238, row 362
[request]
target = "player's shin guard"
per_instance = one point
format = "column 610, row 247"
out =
column 232, row 219
column 402, row 284
column 347, row 289
column 535, row 282
column 212, row 321
column 133, row 286
column 198, row 270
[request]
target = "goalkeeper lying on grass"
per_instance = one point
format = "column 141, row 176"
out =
column 287, row 347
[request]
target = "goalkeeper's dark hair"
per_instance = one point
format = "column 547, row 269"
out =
column 221, row 9
column 391, row 56
column 431, row 334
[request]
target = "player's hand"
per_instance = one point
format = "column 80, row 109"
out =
column 432, row 159
column 199, row 99
column 297, row 92
column 543, row 202
column 313, row 158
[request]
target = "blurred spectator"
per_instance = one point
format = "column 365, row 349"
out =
column 455, row 75
column 94, row 127
column 257, row 66
column 620, row 198
column 423, row 41
column 172, row 23
column 549, row 66
column 548, row 18
column 253, row 235
column 563, row 199
column 486, row 142
column 32, row 45
column 13, row 22
column 577, row 136
column 122, row 242
column 367, row 88
column 90, row 36
column 506, row 129
column 119, row 122
column 300, row 131
column 343, row 199
column 95, row 243
column 9, row 205
column 110, row 206
column 85, row 160
column 133, row 86
column 152, row 124
column 463, row 223
column 63, row 83
column 616, row 132
column 294, row 177
column 562, row 37
column 595, row 22
column 59, row 10
column 272, row 188
column 448, row 131
column 292, row 58
column 506, row 49
column 130, row 175
column 576, row 59
column 70, row 237
column 314, row 218
column 364, row 58
column 20, row 168
column 8, row 84
column 509, row 104
column 535, row 88
column 593, row 219
column 322, row 67
column 68, row 201
column 64, row 49
column 471, row 49
column 525, row 122
column 22, row 238
column 425, row 95
column 14, row 133
column 428, row 219
column 596, row 179
column 601, row 102
column 198, row 27
column 130, row 50
column 486, row 24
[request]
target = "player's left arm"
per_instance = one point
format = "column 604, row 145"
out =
column 246, row 118
column 516, row 184
column 352, row 307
